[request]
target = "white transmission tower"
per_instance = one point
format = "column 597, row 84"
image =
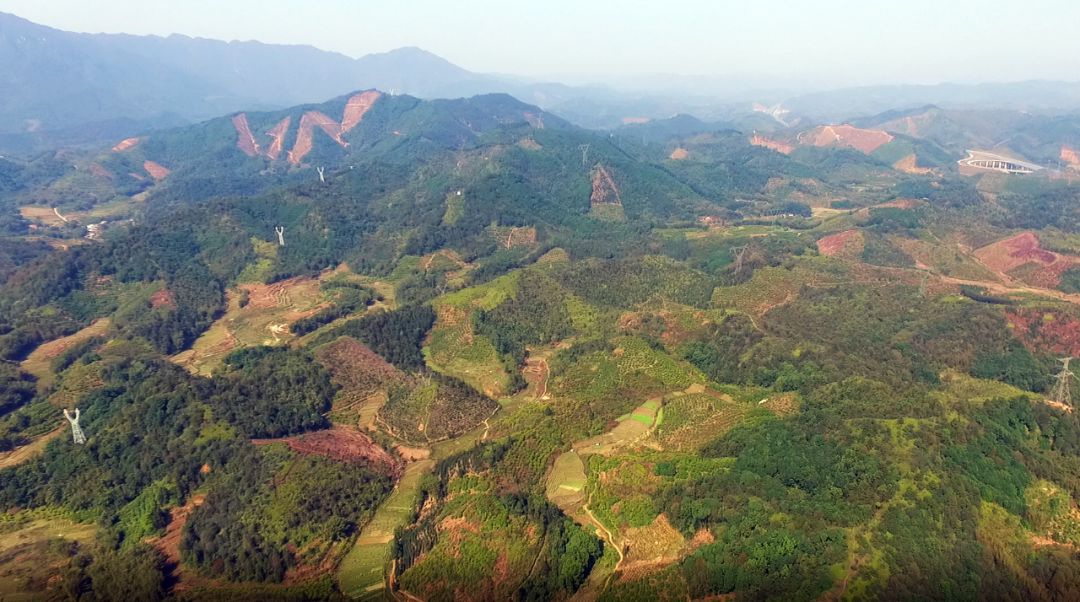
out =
column 76, row 432
column 1062, row 392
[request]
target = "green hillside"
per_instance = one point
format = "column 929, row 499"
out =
column 502, row 357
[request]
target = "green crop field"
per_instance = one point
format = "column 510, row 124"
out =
column 362, row 572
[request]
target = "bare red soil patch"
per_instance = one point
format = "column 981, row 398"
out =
column 354, row 112
column 679, row 154
column 245, row 141
column 156, row 170
column 264, row 296
column 125, row 144
column 866, row 141
column 357, row 107
column 604, row 190
column 776, row 145
column 355, row 367
column 635, row 120
column 169, row 543
column 306, row 134
column 529, row 144
column 1021, row 250
column 277, row 137
column 899, row 204
column 344, row 444
column 162, row 298
column 839, row 244
column 1070, row 155
column 910, row 164
column 1045, row 332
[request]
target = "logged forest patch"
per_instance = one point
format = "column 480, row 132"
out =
column 845, row 245
column 1043, row 331
column 866, row 141
column 343, row 444
column 1022, row 257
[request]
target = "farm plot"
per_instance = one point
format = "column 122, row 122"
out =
column 631, row 429
column 454, row 349
column 362, row 570
column 39, row 361
column 263, row 320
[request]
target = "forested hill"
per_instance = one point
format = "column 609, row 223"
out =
column 450, row 347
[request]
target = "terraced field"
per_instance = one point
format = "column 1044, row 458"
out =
column 361, row 573
column 39, row 361
column 264, row 320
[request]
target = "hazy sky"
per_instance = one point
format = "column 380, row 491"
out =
column 828, row 42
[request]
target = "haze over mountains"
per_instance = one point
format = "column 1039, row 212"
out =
column 62, row 87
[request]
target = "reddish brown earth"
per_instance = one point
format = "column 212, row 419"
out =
column 156, row 170
column 1071, row 156
column 305, row 135
column 679, row 154
column 776, row 145
column 125, row 144
column 355, row 367
column 169, row 543
column 909, row 164
column 245, row 141
column 277, row 135
column 899, row 204
column 263, row 296
column 1045, row 332
column 344, row 444
column 604, row 190
column 1021, row 250
column 866, row 141
column 635, row 120
column 836, row 244
column 357, row 107
column 162, row 298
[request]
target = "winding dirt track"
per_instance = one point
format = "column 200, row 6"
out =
column 609, row 537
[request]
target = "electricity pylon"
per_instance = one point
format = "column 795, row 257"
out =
column 76, row 432
column 1062, row 392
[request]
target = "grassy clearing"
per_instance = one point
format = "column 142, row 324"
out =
column 30, row 450
column 33, row 552
column 964, row 389
column 264, row 320
column 361, row 573
column 566, row 482
column 119, row 207
column 39, row 362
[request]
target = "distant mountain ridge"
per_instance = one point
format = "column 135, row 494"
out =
column 63, row 88
column 58, row 80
